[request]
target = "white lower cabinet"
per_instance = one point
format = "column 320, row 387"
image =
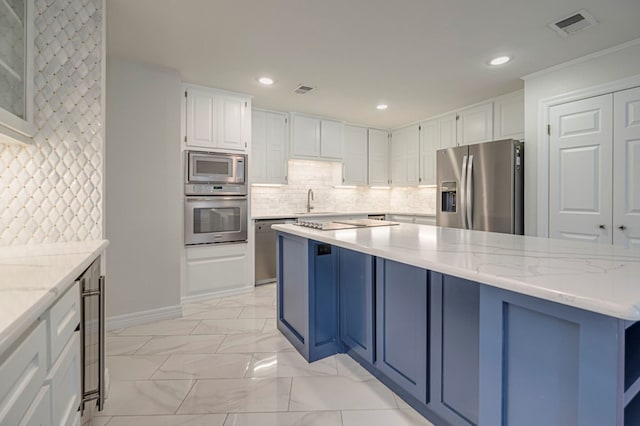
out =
column 22, row 375
column 37, row 387
column 216, row 268
column 39, row 413
column 64, row 379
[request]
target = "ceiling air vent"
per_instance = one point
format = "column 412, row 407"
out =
column 574, row 23
column 303, row 89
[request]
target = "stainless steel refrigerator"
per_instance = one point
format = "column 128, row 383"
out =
column 481, row 187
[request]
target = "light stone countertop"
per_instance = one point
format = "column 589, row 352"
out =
column 331, row 214
column 33, row 277
column 598, row 278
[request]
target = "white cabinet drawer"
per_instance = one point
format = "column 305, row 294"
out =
column 22, row 374
column 64, row 379
column 63, row 319
column 39, row 414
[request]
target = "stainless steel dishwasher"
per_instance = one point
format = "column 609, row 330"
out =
column 266, row 249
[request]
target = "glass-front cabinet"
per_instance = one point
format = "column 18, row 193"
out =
column 16, row 71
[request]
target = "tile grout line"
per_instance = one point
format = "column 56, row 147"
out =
column 193, row 385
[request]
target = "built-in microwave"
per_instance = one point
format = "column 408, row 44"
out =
column 215, row 220
column 215, row 167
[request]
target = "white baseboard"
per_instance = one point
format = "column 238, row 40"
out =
column 127, row 320
column 220, row 293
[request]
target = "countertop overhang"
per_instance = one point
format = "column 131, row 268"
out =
column 598, row 278
column 33, row 277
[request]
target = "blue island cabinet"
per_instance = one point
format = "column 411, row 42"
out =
column 402, row 326
column 308, row 296
column 356, row 286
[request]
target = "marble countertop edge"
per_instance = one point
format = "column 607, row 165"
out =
column 45, row 296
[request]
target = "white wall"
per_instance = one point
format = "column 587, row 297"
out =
column 143, row 191
column 607, row 66
column 322, row 176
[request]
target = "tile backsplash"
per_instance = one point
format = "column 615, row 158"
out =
column 52, row 189
column 322, row 177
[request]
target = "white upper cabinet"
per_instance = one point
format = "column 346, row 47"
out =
column 404, row 156
column 429, row 143
column 305, row 141
column 448, row 131
column 268, row 161
column 378, row 157
column 475, row 124
column 216, row 119
column 354, row 165
column 316, row 138
column 508, row 118
column 16, row 71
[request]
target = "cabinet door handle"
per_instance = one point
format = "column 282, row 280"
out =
column 602, row 226
column 622, row 227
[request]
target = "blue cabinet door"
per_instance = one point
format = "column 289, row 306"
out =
column 455, row 334
column 293, row 290
column 356, row 302
column 544, row 363
column 402, row 325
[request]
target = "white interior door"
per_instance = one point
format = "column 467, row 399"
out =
column 580, row 175
column 626, row 174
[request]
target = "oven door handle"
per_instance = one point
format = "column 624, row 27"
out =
column 216, row 198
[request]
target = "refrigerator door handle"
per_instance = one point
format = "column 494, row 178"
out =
column 469, row 193
column 463, row 198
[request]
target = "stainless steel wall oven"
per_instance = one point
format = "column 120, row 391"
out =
column 216, row 205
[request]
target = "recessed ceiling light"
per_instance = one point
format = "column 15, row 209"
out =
column 265, row 81
column 500, row 60
column 382, row 106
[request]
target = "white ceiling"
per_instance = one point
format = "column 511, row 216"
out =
column 422, row 57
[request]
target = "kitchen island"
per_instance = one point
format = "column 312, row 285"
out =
column 471, row 327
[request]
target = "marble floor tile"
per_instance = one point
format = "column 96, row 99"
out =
column 192, row 308
column 190, row 344
column 237, row 395
column 133, row 367
column 229, row 326
column 271, row 324
column 266, row 290
column 161, row 328
column 217, row 313
column 257, row 342
column 258, row 312
column 218, row 366
column 347, row 366
column 316, row 418
column 383, row 418
column 145, row 397
column 289, row 364
column 339, row 393
column 245, row 300
column 97, row 421
column 186, row 420
column 124, row 345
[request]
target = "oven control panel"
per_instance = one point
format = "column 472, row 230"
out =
column 215, row 189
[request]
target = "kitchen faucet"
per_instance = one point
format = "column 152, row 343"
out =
column 309, row 199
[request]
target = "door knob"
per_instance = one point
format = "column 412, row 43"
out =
column 622, row 227
column 602, row 226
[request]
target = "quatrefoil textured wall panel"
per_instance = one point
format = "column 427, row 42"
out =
column 51, row 191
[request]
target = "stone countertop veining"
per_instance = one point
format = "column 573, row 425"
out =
column 33, row 277
column 599, row 278
column 330, row 214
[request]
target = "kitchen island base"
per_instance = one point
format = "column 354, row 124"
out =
column 458, row 351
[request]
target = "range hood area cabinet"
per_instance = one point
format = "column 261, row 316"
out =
column 269, row 147
column 314, row 138
column 16, row 72
column 216, row 119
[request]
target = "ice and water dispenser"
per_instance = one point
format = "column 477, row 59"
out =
column 448, row 191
